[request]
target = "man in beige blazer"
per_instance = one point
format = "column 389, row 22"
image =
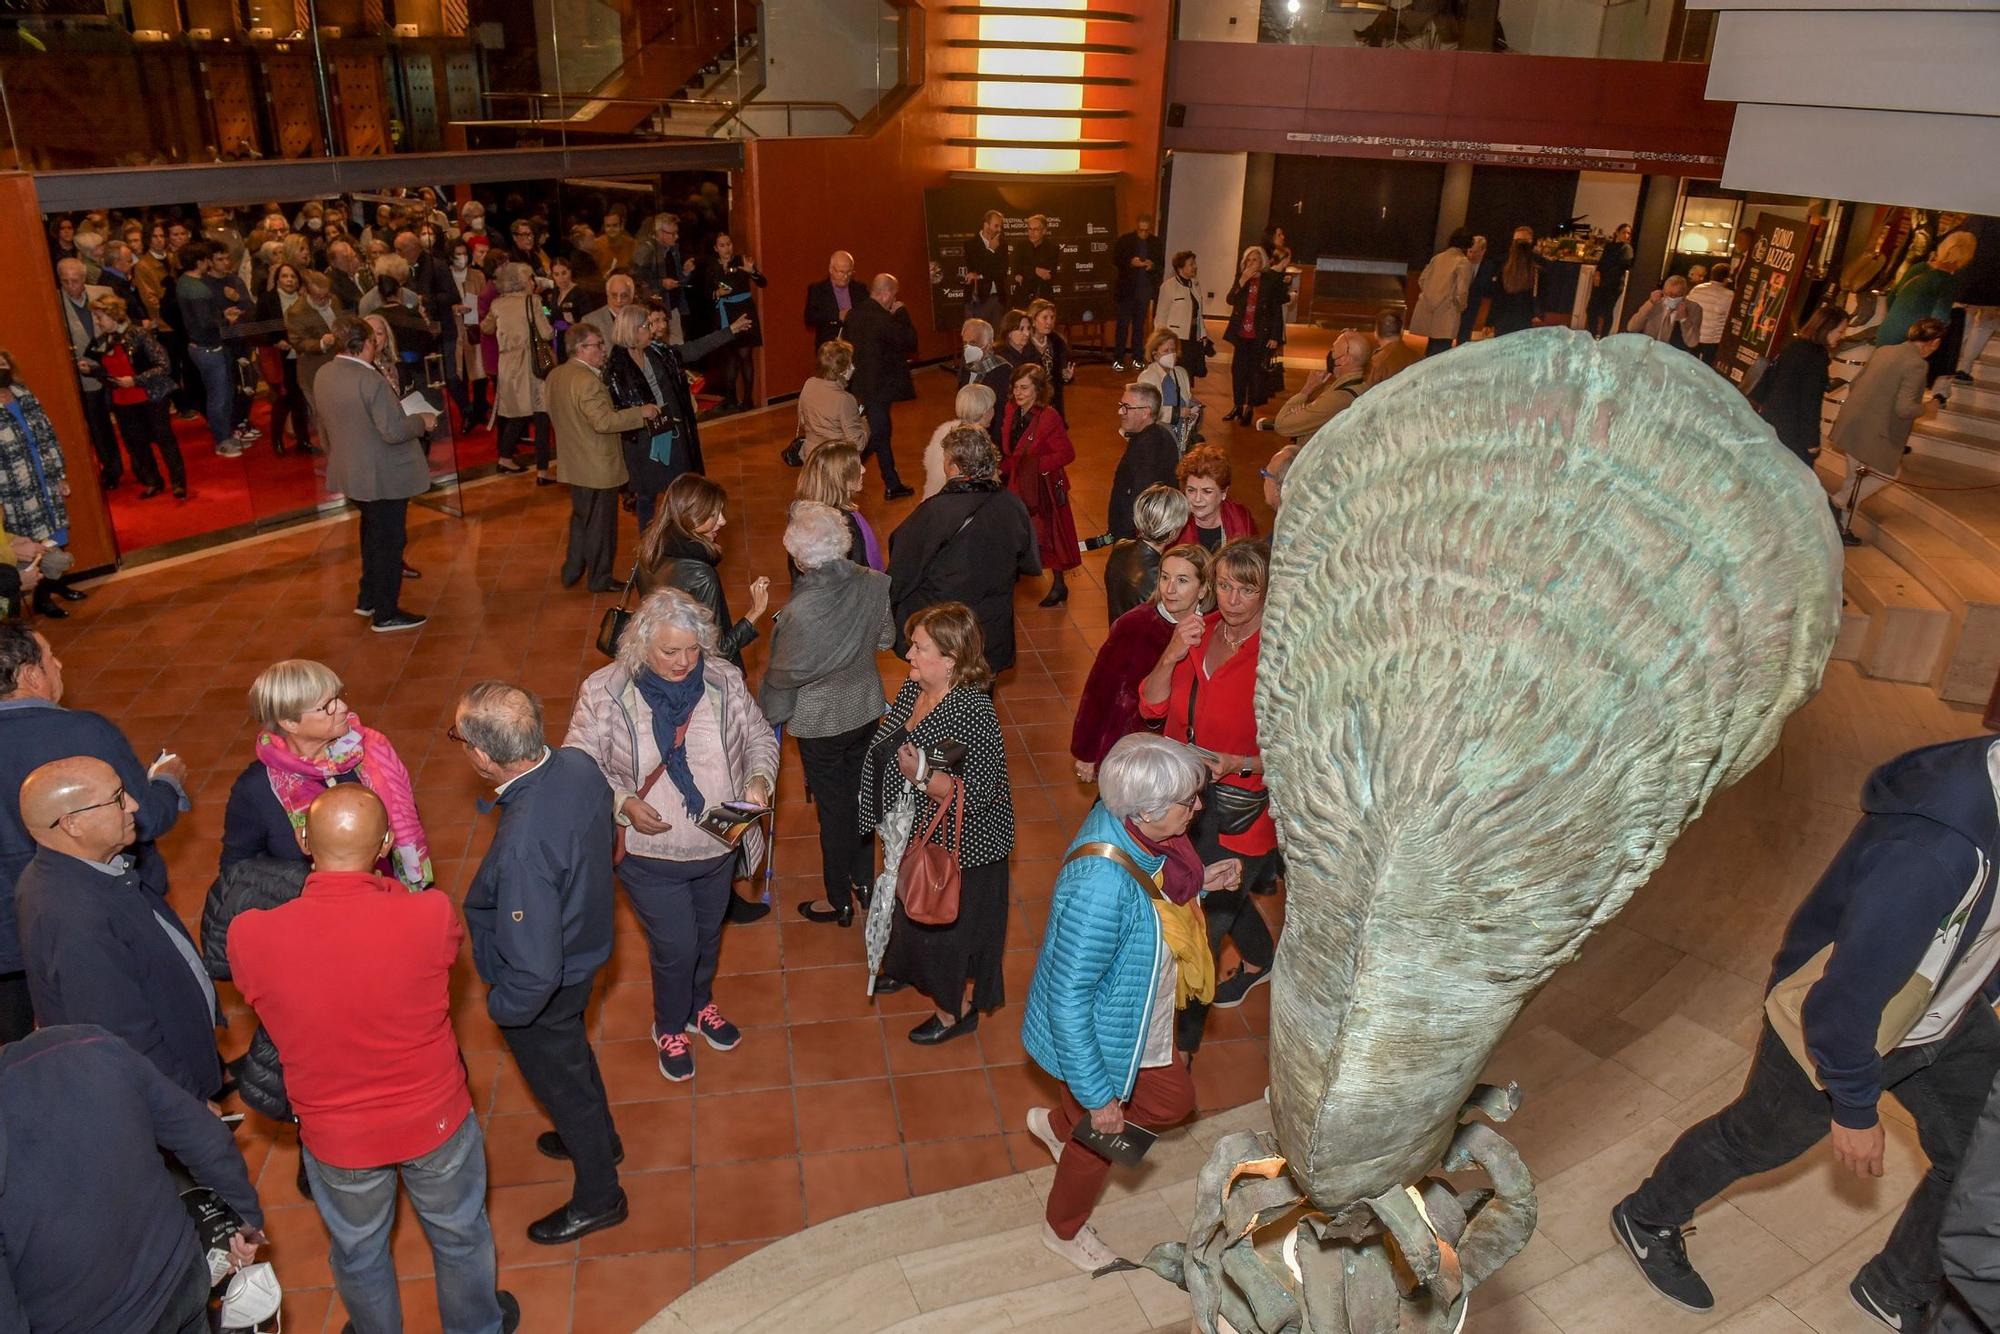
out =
column 591, row 455
column 1883, row 403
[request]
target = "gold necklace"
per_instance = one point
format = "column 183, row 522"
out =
column 1234, row 641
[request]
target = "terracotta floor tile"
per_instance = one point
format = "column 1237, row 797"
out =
column 815, row 994
column 841, row 1183
column 661, row 1215
column 298, row 1241
column 820, row 944
column 840, row 1049
column 512, row 1208
column 948, row 1164
column 733, row 1126
column 305, row 1309
column 631, row 1072
column 852, row 1115
column 761, row 1061
column 1016, row 1088
column 951, row 1105
column 1229, row 1074
column 751, row 1000
column 749, row 949
column 617, row 1294
column 748, row 1201
column 915, row 1058
column 711, row 1260
column 546, row 1293
column 511, row 1156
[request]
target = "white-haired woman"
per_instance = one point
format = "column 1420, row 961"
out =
column 1133, row 568
column 521, row 399
column 308, row 740
column 675, row 731
column 822, row 685
column 1256, row 332
column 974, row 408
column 1124, row 949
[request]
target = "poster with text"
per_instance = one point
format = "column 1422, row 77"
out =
column 1083, row 220
column 1768, row 283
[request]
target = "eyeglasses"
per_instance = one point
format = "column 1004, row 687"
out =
column 333, row 706
column 1133, row 407
column 453, row 734
column 117, row 798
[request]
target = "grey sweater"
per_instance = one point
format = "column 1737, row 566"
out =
column 821, row 680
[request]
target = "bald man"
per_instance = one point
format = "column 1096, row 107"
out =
column 830, row 300
column 352, row 980
column 1327, row 393
column 883, row 339
column 100, row 947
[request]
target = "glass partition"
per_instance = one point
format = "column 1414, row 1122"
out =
column 1535, row 27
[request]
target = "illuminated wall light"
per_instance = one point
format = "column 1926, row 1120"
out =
column 1054, row 130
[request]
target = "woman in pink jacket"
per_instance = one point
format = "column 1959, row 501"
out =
column 677, row 734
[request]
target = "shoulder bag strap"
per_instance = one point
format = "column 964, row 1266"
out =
column 1111, row 852
column 1194, row 689
column 945, row 545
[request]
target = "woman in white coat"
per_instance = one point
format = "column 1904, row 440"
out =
column 1179, row 309
column 1442, row 294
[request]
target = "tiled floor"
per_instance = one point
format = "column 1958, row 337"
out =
column 825, row 1108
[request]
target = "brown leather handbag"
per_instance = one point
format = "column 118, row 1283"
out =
column 927, row 881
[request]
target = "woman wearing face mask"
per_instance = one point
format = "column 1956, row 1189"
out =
column 1052, row 351
column 1179, row 310
column 828, row 414
column 1109, row 706
column 470, row 280
column 679, row 551
column 1179, row 408
column 727, row 284
column 276, row 359
column 1034, row 451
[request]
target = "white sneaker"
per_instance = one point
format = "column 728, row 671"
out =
column 1042, row 1129
column 229, row 449
column 1086, row 1250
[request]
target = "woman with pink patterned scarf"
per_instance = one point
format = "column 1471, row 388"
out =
column 308, row 741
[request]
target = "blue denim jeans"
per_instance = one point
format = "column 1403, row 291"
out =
column 218, row 388
column 448, row 1191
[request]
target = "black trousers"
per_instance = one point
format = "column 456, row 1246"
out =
column 593, row 536
column 97, row 416
column 833, row 776
column 513, row 428
column 1129, row 334
column 1433, row 346
column 288, row 401
column 384, row 529
column 1601, row 315
column 148, row 429
column 1779, row 1115
column 880, row 425
column 1246, row 376
column 17, row 1012
column 187, row 1313
column 561, row 1071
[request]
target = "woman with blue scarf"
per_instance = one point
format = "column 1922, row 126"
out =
column 676, row 732
column 727, row 283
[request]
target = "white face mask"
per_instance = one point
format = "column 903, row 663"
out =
column 974, row 355
column 460, row 261
column 847, row 375
column 1168, row 359
column 314, row 224
column 1674, row 301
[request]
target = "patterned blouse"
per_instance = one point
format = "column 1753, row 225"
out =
column 964, row 715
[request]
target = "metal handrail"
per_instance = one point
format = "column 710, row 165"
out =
column 729, row 110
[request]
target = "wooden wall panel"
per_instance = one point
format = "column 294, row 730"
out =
column 294, row 94
column 232, row 99
column 362, row 104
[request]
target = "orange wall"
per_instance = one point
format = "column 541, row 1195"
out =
column 43, row 362
column 798, row 200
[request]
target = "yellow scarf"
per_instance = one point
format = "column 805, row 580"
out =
column 1183, row 925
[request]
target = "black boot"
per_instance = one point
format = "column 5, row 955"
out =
column 1058, row 591
column 45, row 601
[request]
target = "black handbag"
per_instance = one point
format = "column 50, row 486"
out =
column 612, row 628
column 1228, row 809
column 541, row 352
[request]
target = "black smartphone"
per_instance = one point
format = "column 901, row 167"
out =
column 1125, row 1148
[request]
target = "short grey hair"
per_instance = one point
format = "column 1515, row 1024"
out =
column 974, row 404
column 1145, row 774
column 393, row 266
column 1160, row 513
column 514, row 277
column 663, row 609
column 976, row 331
column 1149, row 394
column 503, row 720
column 817, row 535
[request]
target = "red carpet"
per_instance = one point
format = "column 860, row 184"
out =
column 236, row 495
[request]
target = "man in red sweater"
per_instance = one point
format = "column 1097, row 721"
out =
column 352, row 981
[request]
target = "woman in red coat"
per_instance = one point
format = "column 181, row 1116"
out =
column 1034, row 449
column 1202, row 691
column 1109, row 708
column 1213, row 518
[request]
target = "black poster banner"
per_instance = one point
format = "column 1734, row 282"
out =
column 1082, row 218
column 1768, row 284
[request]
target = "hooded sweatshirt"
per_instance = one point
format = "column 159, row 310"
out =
column 1911, row 893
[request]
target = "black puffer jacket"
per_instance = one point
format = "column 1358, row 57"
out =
column 253, row 883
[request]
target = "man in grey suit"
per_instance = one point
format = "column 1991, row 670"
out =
column 375, row 457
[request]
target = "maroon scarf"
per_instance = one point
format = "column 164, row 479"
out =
column 1182, row 881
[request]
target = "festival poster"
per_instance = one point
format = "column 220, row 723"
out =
column 1768, row 283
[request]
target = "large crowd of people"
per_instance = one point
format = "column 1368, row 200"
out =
column 325, row 914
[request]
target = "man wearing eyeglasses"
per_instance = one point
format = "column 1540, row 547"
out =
column 100, row 947
column 35, row 729
column 1149, row 458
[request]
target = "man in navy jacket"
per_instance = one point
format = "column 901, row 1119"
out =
column 101, row 948
column 1901, row 924
column 539, row 914
column 33, row 731
column 93, row 1235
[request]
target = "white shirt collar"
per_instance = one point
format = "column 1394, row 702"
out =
column 546, row 752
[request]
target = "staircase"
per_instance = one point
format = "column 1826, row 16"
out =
column 1923, row 596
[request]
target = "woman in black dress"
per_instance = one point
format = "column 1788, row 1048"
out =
column 726, row 284
column 1793, row 389
column 945, row 701
column 1256, row 331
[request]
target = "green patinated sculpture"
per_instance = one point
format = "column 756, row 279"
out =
column 1532, row 602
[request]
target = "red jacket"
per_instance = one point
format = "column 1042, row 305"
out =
column 1109, row 706
column 353, row 981
column 1237, row 521
column 1224, row 719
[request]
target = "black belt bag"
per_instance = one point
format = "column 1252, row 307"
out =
column 1231, row 810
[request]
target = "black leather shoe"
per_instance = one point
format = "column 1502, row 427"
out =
column 826, row 912
column 889, row 986
column 68, row 594
column 544, row 480
column 149, row 490
column 412, row 572
column 549, row 1144
column 864, row 894
column 1056, row 597
column 930, row 1032
column 742, row 910
column 50, row 611
column 510, row 1311
column 567, row 1224
column 898, row 492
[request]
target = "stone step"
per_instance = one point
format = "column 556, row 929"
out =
column 1933, row 439
column 1968, row 418
column 1983, row 393
column 1907, row 626
column 1967, row 587
column 1853, row 632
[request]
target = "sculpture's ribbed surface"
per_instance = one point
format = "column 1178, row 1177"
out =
column 1532, row 602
